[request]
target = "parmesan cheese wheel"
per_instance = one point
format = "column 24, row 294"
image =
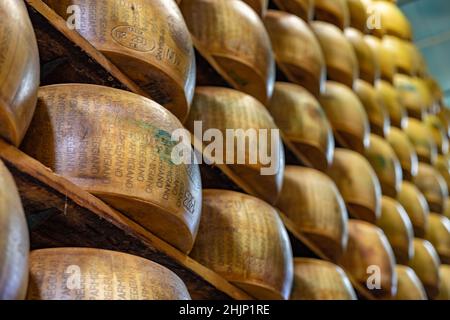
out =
column 397, row 227
column 425, row 264
column 443, row 167
column 297, row 51
column 389, row 96
column 340, row 57
column 422, row 139
column 358, row 15
column 357, row 183
column 368, row 247
column 439, row 132
column 392, row 20
column 320, row 280
column 232, row 38
column 225, row 109
column 347, row 116
column 260, row 6
column 301, row 8
column 243, row 239
column 368, row 68
column 383, row 57
column 433, row 186
column 94, row 274
column 301, row 118
column 332, row 11
column 416, row 206
column 405, row 152
column 117, row 145
column 444, row 283
column 409, row 285
column 19, row 70
column 386, row 165
column 312, row 202
column 410, row 96
column 14, row 240
column 401, row 52
column 438, row 233
column 147, row 39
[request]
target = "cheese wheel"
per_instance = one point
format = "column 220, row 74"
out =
column 374, row 106
column 94, row 274
column 357, row 183
column 347, row 116
column 14, row 240
column 425, row 264
column 397, row 227
column 426, row 95
column 438, row 233
column 437, row 95
column 386, row 165
column 320, row 280
column 19, row 71
column 405, row 152
column 358, row 15
column 409, row 285
column 301, row 8
column 301, row 118
column 340, row 57
column 368, row 69
column 442, row 165
column 117, row 145
column 232, row 38
column 384, row 58
column 410, row 96
column 397, row 112
column 416, row 206
column 422, row 139
column 147, row 39
column 332, row 11
column 401, row 52
column 297, row 51
column 392, row 20
column 433, row 186
column 368, row 247
column 312, row 202
column 260, row 6
column 223, row 109
column 243, row 239
column 444, row 283
column 438, row 131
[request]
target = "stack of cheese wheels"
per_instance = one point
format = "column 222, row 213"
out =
column 443, row 166
column 297, row 51
column 301, row 118
column 14, row 240
column 357, row 183
column 374, row 106
column 224, row 109
column 368, row 69
column 386, row 165
column 389, row 97
column 94, row 274
column 395, row 223
column 322, row 216
column 260, row 6
column 301, row 8
column 405, row 152
column 392, row 20
column 409, row 286
column 400, row 51
column 146, row 39
column 368, row 247
column 444, row 283
column 439, row 133
column 332, row 11
column 243, row 239
column 410, row 96
column 416, row 206
column 383, row 58
column 426, row 263
column 347, row 116
column 340, row 58
column 19, row 71
column 422, row 139
column 433, row 186
column 358, row 15
column 438, row 233
column 233, row 40
column 320, row 280
column 72, row 131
